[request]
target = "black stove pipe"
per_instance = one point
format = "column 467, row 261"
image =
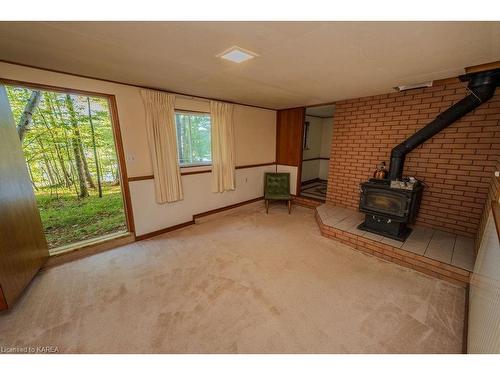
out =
column 481, row 86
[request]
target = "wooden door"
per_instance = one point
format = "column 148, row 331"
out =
column 289, row 138
column 23, row 248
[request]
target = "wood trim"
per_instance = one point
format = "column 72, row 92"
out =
column 125, row 188
column 225, row 208
column 3, row 303
column 445, row 81
column 320, row 158
column 315, row 116
column 60, row 89
column 288, row 165
column 131, row 84
column 195, row 166
column 115, row 124
column 495, row 208
column 318, row 104
column 466, row 320
column 164, row 230
column 255, row 165
column 196, row 172
column 141, row 178
column 301, row 152
column 151, row 177
column 191, row 111
column 88, row 248
column 482, row 67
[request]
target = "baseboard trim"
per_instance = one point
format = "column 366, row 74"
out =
column 195, row 216
column 164, row 230
column 225, row 208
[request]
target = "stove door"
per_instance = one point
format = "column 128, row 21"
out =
column 385, row 201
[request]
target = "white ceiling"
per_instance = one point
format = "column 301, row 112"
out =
column 299, row 63
column 321, row 111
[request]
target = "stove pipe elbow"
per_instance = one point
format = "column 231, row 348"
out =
column 481, row 86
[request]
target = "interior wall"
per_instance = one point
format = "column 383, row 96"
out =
column 457, row 164
column 293, row 170
column 311, row 155
column 315, row 160
column 484, row 297
column 255, row 141
column 493, row 196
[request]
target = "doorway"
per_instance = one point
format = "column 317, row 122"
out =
column 316, row 146
column 70, row 148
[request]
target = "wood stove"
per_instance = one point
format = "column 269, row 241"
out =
column 389, row 209
column 391, row 204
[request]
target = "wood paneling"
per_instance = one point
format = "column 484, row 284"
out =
column 495, row 207
column 23, row 248
column 3, row 303
column 289, row 134
column 483, row 67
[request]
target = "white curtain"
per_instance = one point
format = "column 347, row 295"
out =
column 162, row 140
column 222, row 146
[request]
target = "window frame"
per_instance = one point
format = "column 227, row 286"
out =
column 193, row 112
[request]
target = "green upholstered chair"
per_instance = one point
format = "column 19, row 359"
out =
column 277, row 187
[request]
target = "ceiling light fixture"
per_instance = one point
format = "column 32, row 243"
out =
column 237, row 54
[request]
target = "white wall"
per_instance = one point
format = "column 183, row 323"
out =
column 197, row 198
column 484, row 297
column 255, row 140
column 320, row 138
column 293, row 176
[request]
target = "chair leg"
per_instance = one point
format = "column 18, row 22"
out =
column 267, row 206
column 289, row 206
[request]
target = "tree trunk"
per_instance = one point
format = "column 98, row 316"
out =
column 88, row 176
column 48, row 167
column 31, row 175
column 75, row 143
column 67, row 180
column 95, row 150
column 29, row 109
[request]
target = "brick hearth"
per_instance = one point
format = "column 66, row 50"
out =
column 435, row 253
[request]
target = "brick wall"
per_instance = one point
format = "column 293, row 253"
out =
column 456, row 164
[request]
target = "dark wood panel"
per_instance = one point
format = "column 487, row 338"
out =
column 3, row 302
column 495, row 208
column 23, row 248
column 289, row 135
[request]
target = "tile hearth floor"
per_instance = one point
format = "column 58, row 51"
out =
column 431, row 243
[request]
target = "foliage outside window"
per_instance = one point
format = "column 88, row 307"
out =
column 193, row 138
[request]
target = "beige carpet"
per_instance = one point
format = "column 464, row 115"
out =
column 238, row 282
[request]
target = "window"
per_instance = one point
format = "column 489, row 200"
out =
column 193, row 138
